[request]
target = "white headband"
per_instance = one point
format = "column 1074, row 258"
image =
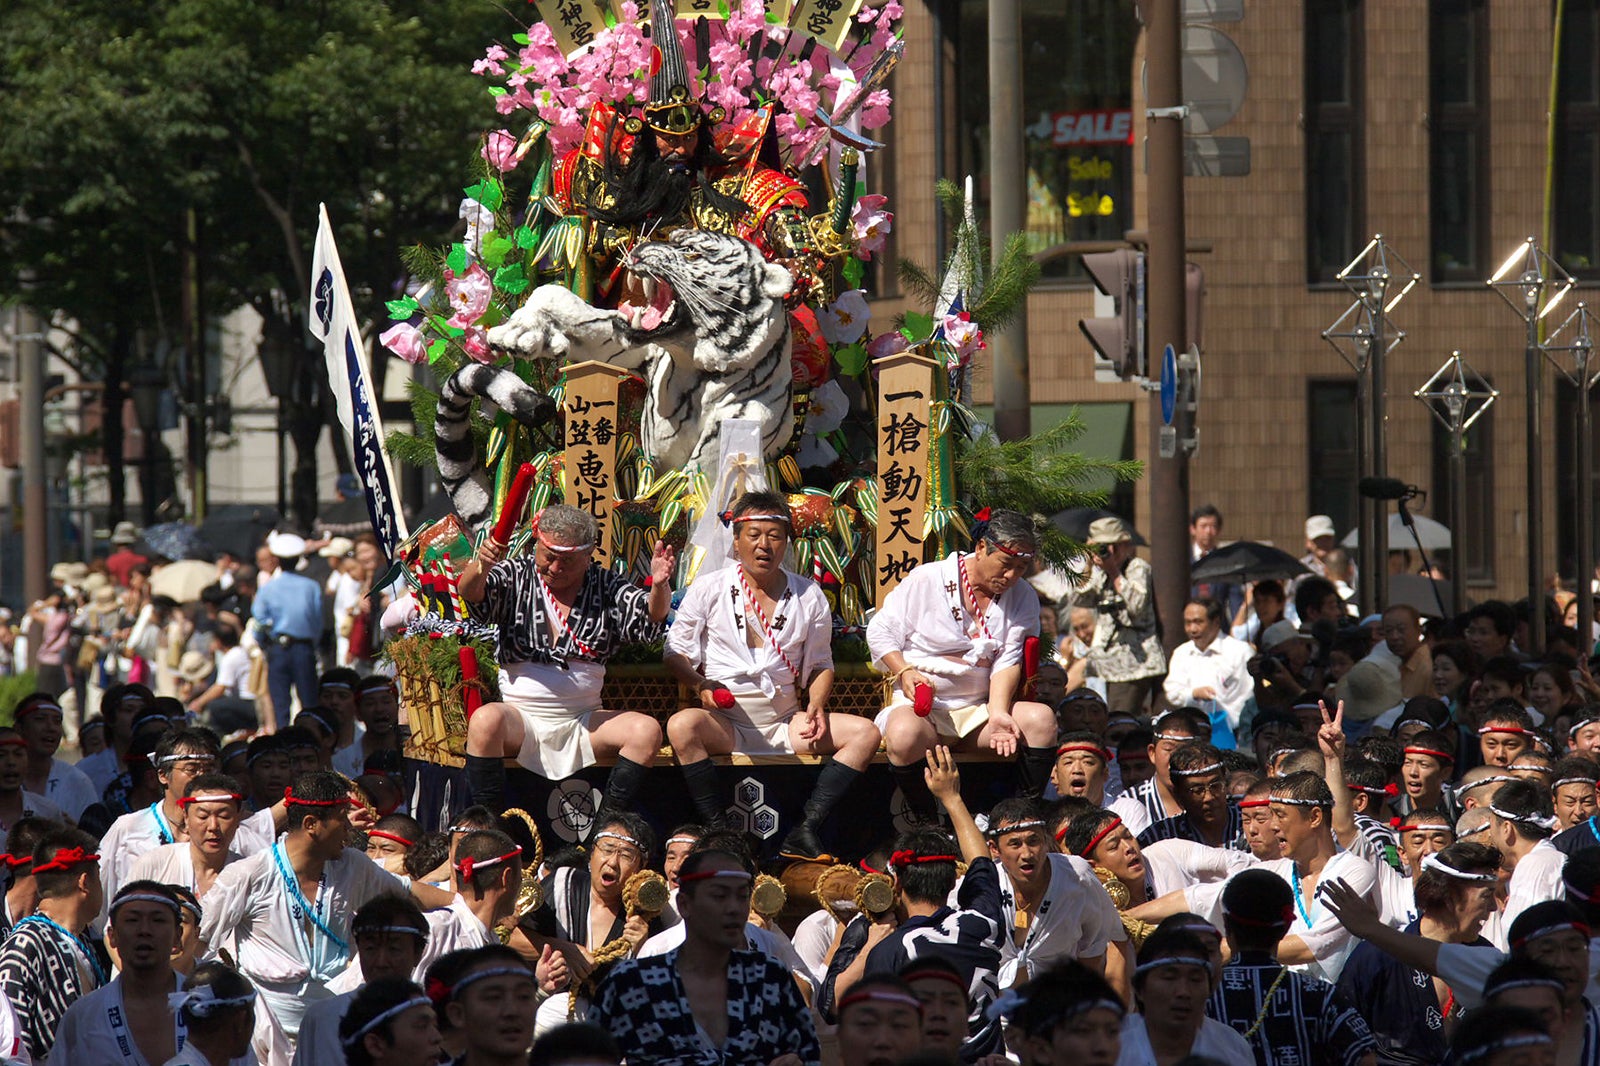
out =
column 493, row 971
column 395, row 1011
column 203, row 1002
column 1173, row 960
column 1504, row 1044
column 1431, row 861
column 1017, row 827
column 143, row 897
column 681, row 840
column 625, row 838
column 1543, row 821
column 1197, row 771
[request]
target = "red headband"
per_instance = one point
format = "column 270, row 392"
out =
column 1245, row 805
column 1517, row 729
column 289, row 797
column 911, row 973
column 1391, row 789
column 14, row 861
column 466, row 866
column 13, row 742
column 66, row 859
column 211, row 797
column 1098, row 837
column 879, row 995
column 911, row 858
column 1414, row 828
column 1443, row 756
column 866, row 868
column 1546, row 930
column 36, row 705
column 1082, row 745
column 396, row 837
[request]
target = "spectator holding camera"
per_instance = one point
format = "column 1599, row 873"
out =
column 1126, row 651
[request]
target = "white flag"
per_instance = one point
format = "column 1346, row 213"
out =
column 332, row 320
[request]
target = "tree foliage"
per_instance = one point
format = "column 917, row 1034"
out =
column 124, row 118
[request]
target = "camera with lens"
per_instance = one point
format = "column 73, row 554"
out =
column 1262, row 666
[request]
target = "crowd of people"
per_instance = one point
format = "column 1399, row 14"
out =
column 1301, row 838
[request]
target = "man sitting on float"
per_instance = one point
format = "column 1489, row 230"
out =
column 951, row 637
column 755, row 642
column 561, row 616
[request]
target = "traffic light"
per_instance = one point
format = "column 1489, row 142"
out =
column 1118, row 340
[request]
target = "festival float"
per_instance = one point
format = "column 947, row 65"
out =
column 659, row 302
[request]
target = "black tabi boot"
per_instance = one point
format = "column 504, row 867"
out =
column 914, row 787
column 1033, row 770
column 701, row 780
column 802, row 841
column 486, row 780
column 626, row 777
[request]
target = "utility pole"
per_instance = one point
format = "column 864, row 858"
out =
column 1168, row 478
column 35, row 495
column 1008, row 210
column 194, row 367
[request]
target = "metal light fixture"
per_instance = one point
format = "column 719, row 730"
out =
column 1457, row 396
column 1379, row 278
column 1533, row 285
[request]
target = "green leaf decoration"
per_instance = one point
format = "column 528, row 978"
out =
column 487, row 192
column 852, row 359
column 722, row 8
column 497, row 91
column 520, row 38
column 495, row 250
column 457, row 259
column 853, row 270
column 511, row 279
column 525, row 238
column 918, row 326
column 404, row 307
column 436, row 349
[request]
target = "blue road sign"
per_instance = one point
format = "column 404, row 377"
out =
column 1169, row 384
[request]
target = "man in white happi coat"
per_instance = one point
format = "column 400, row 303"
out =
column 1055, row 907
column 289, row 907
column 180, row 757
column 217, row 1009
column 561, row 616
column 211, row 814
column 128, row 1022
column 957, row 628
column 391, row 935
column 754, row 641
column 38, row 720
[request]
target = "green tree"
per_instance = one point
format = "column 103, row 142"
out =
column 143, row 136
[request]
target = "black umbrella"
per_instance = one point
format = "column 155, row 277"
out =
column 1246, row 560
column 240, row 528
column 1075, row 521
column 175, row 541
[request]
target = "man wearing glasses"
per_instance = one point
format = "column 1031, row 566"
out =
column 561, row 616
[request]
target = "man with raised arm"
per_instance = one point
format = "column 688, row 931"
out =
column 561, row 616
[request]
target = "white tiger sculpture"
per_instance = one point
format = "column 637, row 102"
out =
column 703, row 322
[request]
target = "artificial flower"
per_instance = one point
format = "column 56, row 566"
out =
column 845, row 320
column 963, row 335
column 870, row 224
column 406, row 341
column 476, row 343
column 890, row 343
column 479, row 220
column 829, row 407
column 469, row 294
column 490, row 63
column 500, row 150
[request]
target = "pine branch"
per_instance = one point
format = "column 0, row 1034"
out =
column 921, row 285
column 424, row 263
column 1040, row 475
column 410, row 449
column 1009, row 283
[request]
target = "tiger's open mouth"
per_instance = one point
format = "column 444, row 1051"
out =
column 649, row 303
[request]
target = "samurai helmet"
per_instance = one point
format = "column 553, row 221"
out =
column 673, row 109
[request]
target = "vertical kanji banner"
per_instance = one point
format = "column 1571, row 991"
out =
column 332, row 320
column 589, row 404
column 905, row 405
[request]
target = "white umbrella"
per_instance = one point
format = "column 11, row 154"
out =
column 183, row 581
column 1434, row 536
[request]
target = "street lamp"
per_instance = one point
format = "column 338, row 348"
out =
column 1457, row 396
column 1379, row 279
column 1577, row 335
column 1533, row 284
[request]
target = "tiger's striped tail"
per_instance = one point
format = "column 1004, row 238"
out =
column 463, row 475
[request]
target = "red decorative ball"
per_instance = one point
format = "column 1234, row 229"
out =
column 922, row 700
column 722, row 698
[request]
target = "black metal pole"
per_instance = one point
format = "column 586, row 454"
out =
column 1367, row 510
column 1585, row 514
column 1458, row 517
column 1534, row 360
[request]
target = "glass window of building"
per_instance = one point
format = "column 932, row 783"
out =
column 1078, row 112
column 1335, row 192
column 1577, row 173
column 1332, row 464
column 1458, row 178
